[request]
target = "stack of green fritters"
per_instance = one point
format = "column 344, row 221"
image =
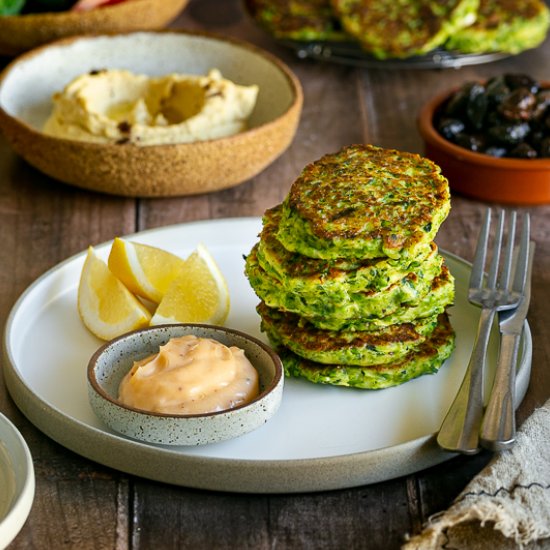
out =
column 353, row 289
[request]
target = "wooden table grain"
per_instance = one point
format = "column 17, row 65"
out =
column 82, row 505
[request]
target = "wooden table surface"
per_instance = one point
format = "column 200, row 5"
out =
column 80, row 504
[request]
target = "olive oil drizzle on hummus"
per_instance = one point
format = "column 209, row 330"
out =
column 118, row 106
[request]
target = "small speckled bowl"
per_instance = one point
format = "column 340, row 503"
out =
column 28, row 84
column 506, row 180
column 112, row 361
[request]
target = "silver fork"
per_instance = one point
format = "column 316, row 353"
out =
column 459, row 431
column 498, row 429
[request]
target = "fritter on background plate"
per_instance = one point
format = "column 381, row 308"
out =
column 302, row 20
column 504, row 26
column 403, row 28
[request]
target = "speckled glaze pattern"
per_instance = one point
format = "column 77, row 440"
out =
column 112, row 361
column 27, row 86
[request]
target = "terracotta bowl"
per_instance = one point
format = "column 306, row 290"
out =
column 28, row 83
column 19, row 33
column 112, row 361
column 505, row 180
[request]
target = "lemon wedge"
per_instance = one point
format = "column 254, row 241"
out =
column 107, row 308
column 146, row 271
column 198, row 295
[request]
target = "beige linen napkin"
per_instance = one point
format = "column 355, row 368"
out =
column 507, row 505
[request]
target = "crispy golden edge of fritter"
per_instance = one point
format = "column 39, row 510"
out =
column 336, row 197
column 395, row 29
column 297, row 265
column 439, row 337
column 305, row 335
column 493, row 13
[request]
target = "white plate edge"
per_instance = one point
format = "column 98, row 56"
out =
column 16, row 384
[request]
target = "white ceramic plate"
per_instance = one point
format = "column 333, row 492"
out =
column 16, row 481
column 321, row 438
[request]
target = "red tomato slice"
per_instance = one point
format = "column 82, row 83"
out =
column 87, row 5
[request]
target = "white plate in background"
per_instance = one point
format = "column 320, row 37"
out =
column 16, row 481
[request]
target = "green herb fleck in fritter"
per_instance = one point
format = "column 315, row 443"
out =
column 504, row 26
column 427, row 359
column 364, row 202
column 404, row 28
column 302, row 20
column 359, row 348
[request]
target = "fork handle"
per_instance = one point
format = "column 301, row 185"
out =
column 498, row 430
column 459, row 431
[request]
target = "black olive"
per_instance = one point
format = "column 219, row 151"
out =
column 476, row 108
column 456, row 105
column 544, row 149
column 542, row 103
column 450, row 127
column 514, row 81
column 470, row 141
column 496, row 89
column 496, row 151
column 509, row 133
column 518, row 105
column 524, row 151
column 509, row 116
column 494, row 118
column 536, row 135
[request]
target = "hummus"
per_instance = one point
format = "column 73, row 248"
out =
column 117, row 106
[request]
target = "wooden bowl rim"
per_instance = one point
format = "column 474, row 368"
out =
column 292, row 80
column 68, row 16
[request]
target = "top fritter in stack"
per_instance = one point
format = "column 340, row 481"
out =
column 353, row 288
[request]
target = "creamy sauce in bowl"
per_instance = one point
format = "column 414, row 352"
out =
column 190, row 375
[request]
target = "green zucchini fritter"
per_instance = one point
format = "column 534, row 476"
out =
column 504, row 26
column 357, row 348
column 364, row 202
column 403, row 28
column 359, row 311
column 303, row 275
column 400, row 29
column 312, row 301
column 427, row 359
column 301, row 20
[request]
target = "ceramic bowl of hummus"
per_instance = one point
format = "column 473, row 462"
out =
column 185, row 384
column 149, row 114
column 19, row 33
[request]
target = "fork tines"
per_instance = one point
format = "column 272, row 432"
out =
column 499, row 273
